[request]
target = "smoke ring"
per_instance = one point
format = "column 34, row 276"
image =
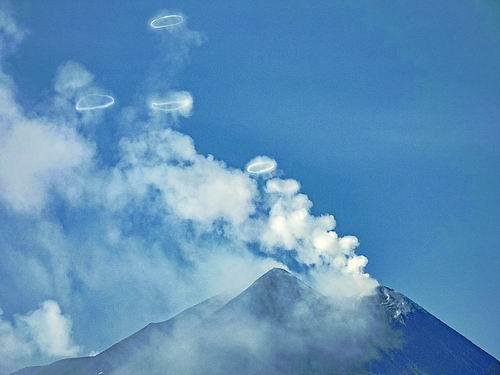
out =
column 170, row 106
column 166, row 21
column 261, row 167
column 102, row 101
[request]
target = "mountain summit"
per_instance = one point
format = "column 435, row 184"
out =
column 280, row 325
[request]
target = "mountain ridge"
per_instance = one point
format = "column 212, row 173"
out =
column 279, row 324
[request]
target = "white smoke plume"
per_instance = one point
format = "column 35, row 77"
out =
column 204, row 191
column 43, row 333
column 163, row 222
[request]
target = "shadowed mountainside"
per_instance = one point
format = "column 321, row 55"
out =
column 281, row 325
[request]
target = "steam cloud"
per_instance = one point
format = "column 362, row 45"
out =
column 166, row 223
column 45, row 332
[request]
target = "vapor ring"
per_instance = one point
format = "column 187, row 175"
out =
column 167, row 21
column 94, row 101
column 261, row 167
column 170, row 106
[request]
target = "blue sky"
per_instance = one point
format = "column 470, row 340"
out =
column 388, row 115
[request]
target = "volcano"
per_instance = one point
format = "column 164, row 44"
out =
column 280, row 325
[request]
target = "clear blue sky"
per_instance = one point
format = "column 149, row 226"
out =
column 387, row 112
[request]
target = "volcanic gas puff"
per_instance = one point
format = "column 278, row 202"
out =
column 179, row 102
column 94, row 101
column 168, row 21
column 261, row 165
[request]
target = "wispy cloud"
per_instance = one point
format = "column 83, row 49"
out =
column 45, row 333
column 10, row 32
column 36, row 157
column 163, row 222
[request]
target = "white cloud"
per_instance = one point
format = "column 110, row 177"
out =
column 44, row 333
column 207, row 191
column 9, row 28
column 14, row 349
column 290, row 226
column 193, row 187
column 202, row 190
column 50, row 330
column 72, row 76
column 287, row 187
column 166, row 186
column 344, row 284
column 10, row 33
column 36, row 157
